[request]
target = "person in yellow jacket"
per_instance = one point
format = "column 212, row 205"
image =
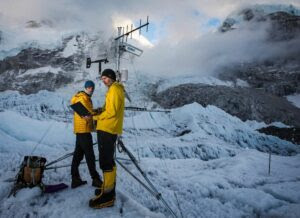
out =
column 83, row 126
column 109, row 126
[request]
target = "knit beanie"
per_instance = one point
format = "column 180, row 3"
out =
column 109, row 73
column 89, row 83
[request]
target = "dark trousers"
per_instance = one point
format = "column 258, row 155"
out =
column 84, row 147
column 106, row 146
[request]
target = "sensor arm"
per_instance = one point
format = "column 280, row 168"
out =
column 89, row 62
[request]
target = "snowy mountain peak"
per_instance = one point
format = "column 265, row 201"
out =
column 258, row 12
column 37, row 24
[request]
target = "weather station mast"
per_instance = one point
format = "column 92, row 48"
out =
column 121, row 46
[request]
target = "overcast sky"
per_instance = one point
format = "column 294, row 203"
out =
column 176, row 18
column 183, row 27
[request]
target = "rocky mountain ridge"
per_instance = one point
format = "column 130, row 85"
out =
column 283, row 25
column 245, row 103
column 34, row 69
column 12, row 70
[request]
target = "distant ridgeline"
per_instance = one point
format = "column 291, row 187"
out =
column 289, row 134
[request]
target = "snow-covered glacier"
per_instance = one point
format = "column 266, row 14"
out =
column 205, row 162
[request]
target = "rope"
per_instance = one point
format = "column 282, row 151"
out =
column 62, row 158
column 178, row 205
column 156, row 194
column 145, row 109
column 135, row 137
column 136, row 178
column 154, row 190
column 62, row 166
column 49, row 127
column 164, row 165
column 68, row 165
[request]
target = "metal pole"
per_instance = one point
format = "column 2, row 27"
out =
column 270, row 162
column 118, row 48
column 137, row 179
column 63, row 157
column 154, row 190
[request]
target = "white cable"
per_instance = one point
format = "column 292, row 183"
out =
column 42, row 137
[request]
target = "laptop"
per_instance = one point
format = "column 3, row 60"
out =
column 80, row 109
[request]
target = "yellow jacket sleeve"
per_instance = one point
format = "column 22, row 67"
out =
column 87, row 103
column 82, row 125
column 112, row 105
column 111, row 119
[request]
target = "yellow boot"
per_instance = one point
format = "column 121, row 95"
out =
column 107, row 195
column 99, row 190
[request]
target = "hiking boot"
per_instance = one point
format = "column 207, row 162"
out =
column 103, row 200
column 105, row 196
column 97, row 182
column 76, row 182
column 99, row 190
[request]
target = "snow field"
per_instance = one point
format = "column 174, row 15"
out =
column 204, row 160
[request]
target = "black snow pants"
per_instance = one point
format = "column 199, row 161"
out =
column 106, row 146
column 84, row 147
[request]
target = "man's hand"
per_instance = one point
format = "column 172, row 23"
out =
column 98, row 110
column 87, row 117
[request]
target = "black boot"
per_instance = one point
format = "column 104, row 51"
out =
column 103, row 200
column 97, row 182
column 99, row 190
column 76, row 182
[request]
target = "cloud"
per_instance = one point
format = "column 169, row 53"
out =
column 186, row 40
column 98, row 14
column 210, row 52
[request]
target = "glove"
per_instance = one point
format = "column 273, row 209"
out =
column 98, row 111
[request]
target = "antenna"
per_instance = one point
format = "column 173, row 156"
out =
column 133, row 30
column 140, row 30
column 123, row 46
column 147, row 22
column 126, row 32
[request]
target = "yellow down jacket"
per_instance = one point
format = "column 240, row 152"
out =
column 111, row 118
column 81, row 125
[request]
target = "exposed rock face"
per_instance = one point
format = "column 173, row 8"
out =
column 34, row 69
column 268, row 79
column 273, row 77
column 289, row 134
column 36, row 24
column 32, row 58
column 13, row 68
column 280, row 74
column 34, row 83
column 245, row 103
column 283, row 25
